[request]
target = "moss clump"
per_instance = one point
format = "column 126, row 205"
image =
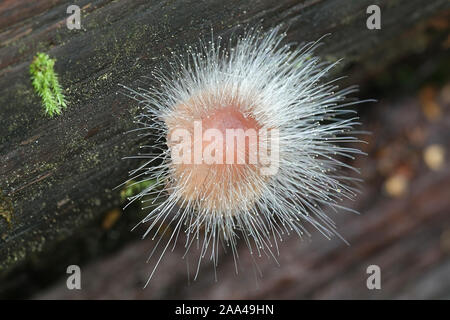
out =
column 133, row 188
column 46, row 85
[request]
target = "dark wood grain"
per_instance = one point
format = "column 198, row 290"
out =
column 59, row 173
column 408, row 236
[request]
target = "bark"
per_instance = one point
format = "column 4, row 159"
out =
column 407, row 236
column 57, row 175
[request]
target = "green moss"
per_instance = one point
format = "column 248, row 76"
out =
column 133, row 188
column 46, row 85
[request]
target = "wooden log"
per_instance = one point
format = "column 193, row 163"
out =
column 57, row 175
column 407, row 235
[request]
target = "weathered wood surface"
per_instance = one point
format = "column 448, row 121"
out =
column 408, row 237
column 57, row 174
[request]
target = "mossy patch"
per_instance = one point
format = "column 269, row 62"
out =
column 46, row 84
column 133, row 188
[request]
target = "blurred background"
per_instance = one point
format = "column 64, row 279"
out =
column 58, row 205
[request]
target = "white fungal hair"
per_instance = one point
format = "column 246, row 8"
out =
column 280, row 86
